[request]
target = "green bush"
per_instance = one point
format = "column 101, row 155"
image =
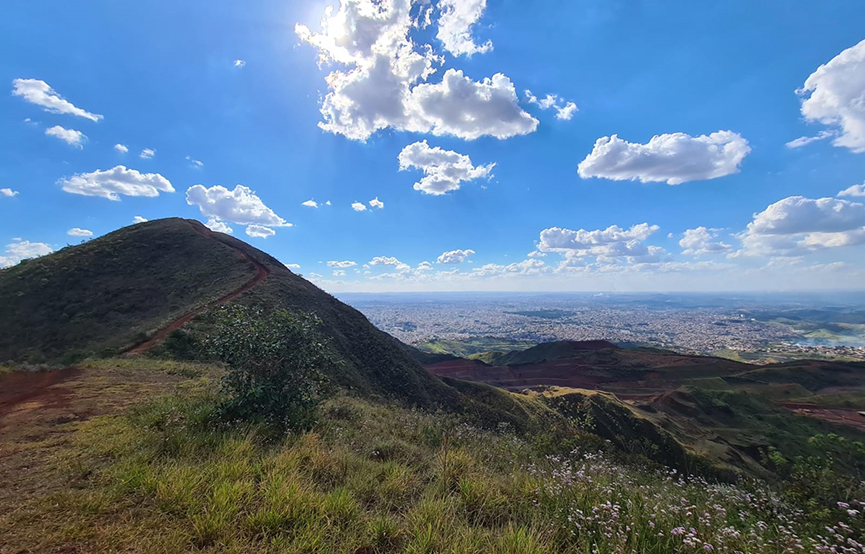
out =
column 277, row 364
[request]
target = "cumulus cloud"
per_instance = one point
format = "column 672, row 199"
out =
column 797, row 225
column 804, row 141
column 526, row 267
column 138, row 219
column 219, row 226
column 310, row 203
column 606, row 245
column 39, row 93
column 376, row 203
column 241, row 206
column 700, row 241
column 9, row 193
column 358, row 206
column 292, row 266
column 833, row 95
column 564, row 110
column 855, row 190
column 455, row 256
column 121, row 148
column 470, row 109
column 78, row 232
column 384, row 84
column 390, row 261
column 339, row 273
column 239, row 63
column 455, row 26
column 69, row 136
column 259, row 231
column 19, row 250
column 674, row 158
column 116, row 182
column 343, row 264
column 147, row 154
column 444, row 170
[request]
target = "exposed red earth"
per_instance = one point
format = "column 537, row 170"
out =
column 844, row 416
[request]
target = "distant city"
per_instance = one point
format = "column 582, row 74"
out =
column 748, row 326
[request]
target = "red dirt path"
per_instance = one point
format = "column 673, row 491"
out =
column 159, row 336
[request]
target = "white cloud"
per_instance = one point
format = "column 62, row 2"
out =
column 113, row 183
column 69, row 136
column 444, row 170
column 606, row 245
column 147, row 154
column 194, row 162
column 138, row 219
column 675, row 158
column 78, row 232
column 241, row 206
column 797, row 225
column 700, row 241
column 376, row 203
column 239, row 63
column 39, row 93
column 121, row 148
column 525, row 267
column 327, row 203
column 833, row 95
column 455, row 256
column 455, row 26
column 343, row 264
column 855, row 190
column 339, row 273
column 310, row 203
column 292, row 266
column 424, row 266
column 358, row 206
column 390, row 261
column 564, row 110
column 19, row 250
column 8, row 192
column 219, row 226
column 385, row 85
column 470, row 109
column 259, row 231
column 804, row 141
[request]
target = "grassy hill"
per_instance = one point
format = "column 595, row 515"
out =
column 113, row 292
column 110, row 292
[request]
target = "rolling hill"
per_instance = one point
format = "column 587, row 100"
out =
column 127, row 290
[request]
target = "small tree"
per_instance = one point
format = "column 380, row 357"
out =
column 276, row 364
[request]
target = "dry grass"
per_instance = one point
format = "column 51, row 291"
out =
column 162, row 477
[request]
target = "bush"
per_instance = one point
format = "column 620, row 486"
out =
column 276, row 365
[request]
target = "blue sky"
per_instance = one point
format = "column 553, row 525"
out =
column 262, row 95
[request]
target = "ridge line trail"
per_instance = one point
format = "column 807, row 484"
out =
column 159, row 336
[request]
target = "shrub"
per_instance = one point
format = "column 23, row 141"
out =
column 276, row 365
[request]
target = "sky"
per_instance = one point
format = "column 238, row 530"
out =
column 434, row 145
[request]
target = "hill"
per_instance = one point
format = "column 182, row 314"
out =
column 126, row 291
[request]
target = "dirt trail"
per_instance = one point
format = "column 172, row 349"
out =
column 159, row 336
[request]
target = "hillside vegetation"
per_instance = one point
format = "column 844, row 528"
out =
column 376, row 479
column 110, row 292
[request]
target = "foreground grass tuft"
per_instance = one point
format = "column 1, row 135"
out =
column 373, row 479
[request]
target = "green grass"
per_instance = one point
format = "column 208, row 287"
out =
column 473, row 346
column 382, row 479
column 106, row 294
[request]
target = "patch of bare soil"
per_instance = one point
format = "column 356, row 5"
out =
column 844, row 416
column 39, row 413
